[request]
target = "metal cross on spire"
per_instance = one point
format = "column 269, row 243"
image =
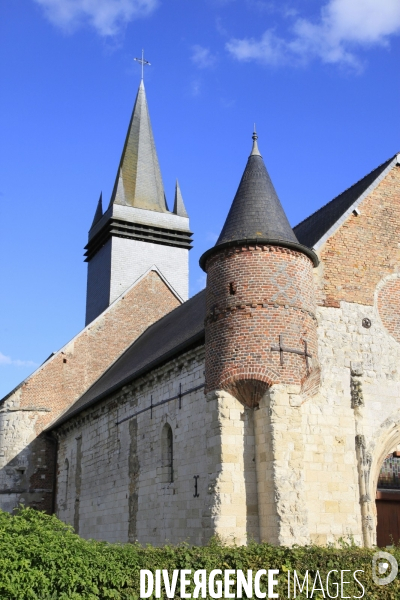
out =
column 142, row 61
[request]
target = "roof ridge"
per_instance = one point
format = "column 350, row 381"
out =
column 156, row 331
column 386, row 162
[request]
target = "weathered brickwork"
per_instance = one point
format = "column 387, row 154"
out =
column 61, row 380
column 364, row 249
column 254, row 295
column 389, row 305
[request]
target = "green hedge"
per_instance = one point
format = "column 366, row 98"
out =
column 42, row 558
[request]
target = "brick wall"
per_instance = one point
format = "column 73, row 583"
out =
column 62, row 380
column 364, row 249
column 388, row 301
column 254, row 295
column 357, row 284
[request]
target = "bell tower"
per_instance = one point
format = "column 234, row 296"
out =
column 137, row 231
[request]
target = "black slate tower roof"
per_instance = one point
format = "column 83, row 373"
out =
column 256, row 214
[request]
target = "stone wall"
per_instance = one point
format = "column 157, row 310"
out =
column 354, row 419
column 112, row 479
column 26, row 456
column 231, row 454
column 296, row 470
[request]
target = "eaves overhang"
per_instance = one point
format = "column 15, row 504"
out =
column 256, row 242
column 137, row 231
column 194, row 341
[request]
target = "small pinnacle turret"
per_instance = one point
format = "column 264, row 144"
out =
column 179, row 207
column 99, row 210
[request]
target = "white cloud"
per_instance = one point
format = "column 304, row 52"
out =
column 270, row 49
column 195, row 87
column 6, row 360
column 106, row 16
column 202, row 57
column 343, row 27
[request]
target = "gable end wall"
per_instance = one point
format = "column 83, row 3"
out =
column 26, row 455
column 364, row 249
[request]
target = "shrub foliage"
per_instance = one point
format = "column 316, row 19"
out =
column 43, row 559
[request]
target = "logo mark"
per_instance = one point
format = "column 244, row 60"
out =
column 381, row 574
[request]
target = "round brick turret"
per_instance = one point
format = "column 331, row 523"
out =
column 260, row 304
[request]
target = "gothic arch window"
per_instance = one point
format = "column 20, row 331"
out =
column 167, row 454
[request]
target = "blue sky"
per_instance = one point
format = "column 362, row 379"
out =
column 320, row 79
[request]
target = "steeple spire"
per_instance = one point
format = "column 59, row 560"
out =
column 179, row 207
column 137, row 232
column 138, row 182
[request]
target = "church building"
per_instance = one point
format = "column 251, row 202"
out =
column 266, row 407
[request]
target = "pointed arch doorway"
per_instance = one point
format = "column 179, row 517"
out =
column 388, row 501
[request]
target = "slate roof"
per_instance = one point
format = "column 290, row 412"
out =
column 179, row 206
column 176, row 332
column 99, row 211
column 314, row 227
column 138, row 182
column 256, row 210
column 256, row 214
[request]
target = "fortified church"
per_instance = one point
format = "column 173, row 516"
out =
column 266, row 407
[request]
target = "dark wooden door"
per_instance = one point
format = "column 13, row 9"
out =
column 388, row 513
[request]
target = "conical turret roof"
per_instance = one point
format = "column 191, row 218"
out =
column 256, row 214
column 256, row 211
column 138, row 182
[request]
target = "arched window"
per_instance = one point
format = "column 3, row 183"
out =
column 167, row 454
